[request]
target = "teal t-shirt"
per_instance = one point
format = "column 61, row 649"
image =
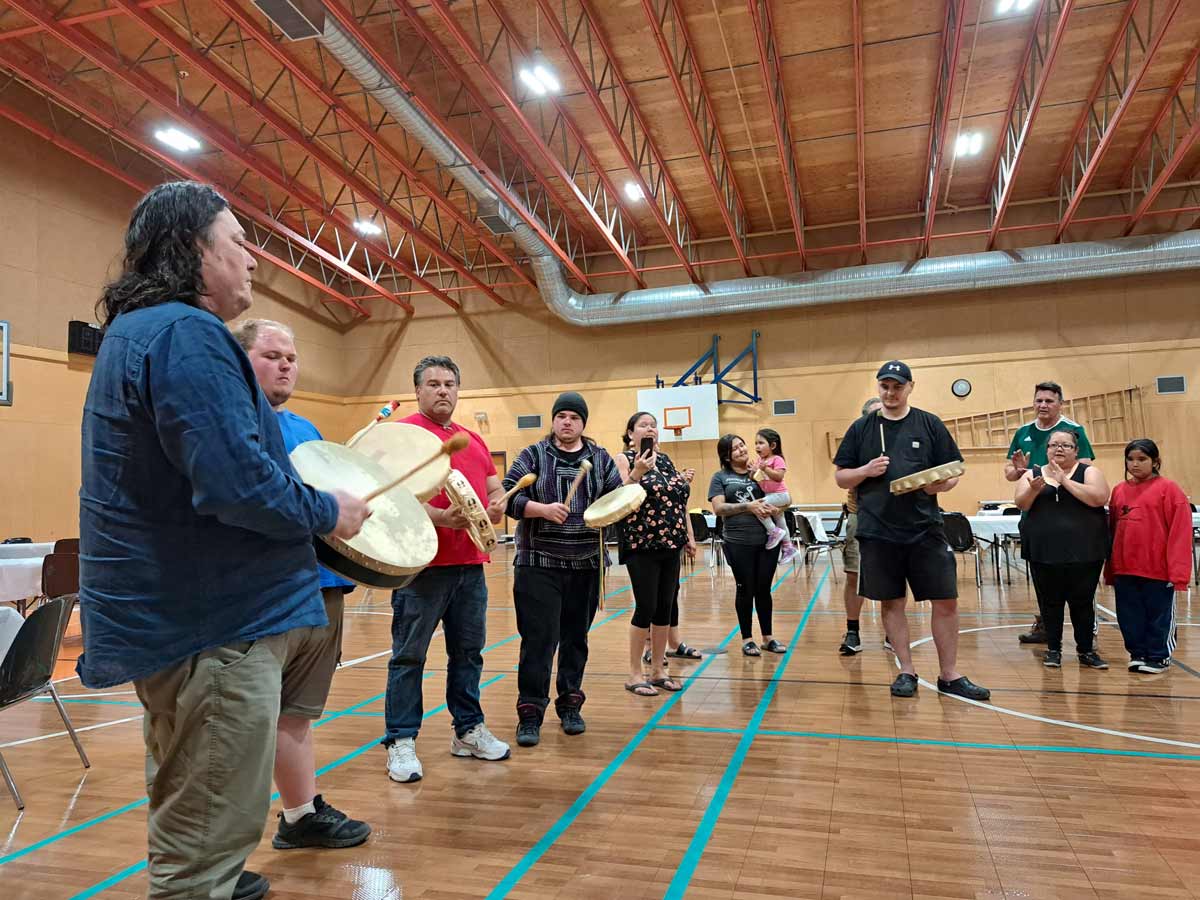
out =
column 1031, row 439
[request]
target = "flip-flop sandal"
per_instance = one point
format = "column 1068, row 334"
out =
column 683, row 651
column 774, row 646
column 750, row 649
column 642, row 689
column 666, row 684
column 646, row 658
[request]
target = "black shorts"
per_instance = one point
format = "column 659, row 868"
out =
column 928, row 566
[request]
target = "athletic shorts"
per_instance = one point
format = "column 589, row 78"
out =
column 850, row 547
column 313, row 655
column 928, row 567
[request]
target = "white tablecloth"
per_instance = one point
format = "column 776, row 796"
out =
column 991, row 527
column 20, row 578
column 814, row 519
column 25, row 551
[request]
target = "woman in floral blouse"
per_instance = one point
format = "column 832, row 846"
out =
column 651, row 539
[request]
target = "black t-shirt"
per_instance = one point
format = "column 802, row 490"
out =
column 744, row 528
column 917, row 442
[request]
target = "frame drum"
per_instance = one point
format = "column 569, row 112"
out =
column 395, row 544
column 463, row 498
column 397, row 446
column 614, row 506
column 918, row 480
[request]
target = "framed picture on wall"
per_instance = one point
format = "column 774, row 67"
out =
column 5, row 384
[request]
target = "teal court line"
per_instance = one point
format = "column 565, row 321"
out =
column 691, row 857
column 930, row 742
column 348, row 711
column 539, row 849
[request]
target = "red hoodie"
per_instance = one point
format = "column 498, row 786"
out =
column 1151, row 524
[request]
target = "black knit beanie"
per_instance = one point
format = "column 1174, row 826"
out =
column 570, row 401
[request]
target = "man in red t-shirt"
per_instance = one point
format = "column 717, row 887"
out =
column 451, row 590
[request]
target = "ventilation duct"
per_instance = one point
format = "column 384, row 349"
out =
column 970, row 272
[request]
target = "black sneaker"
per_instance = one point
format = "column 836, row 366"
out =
column 1135, row 663
column 963, row 687
column 529, row 726
column 1154, row 666
column 851, row 644
column 1052, row 659
column 1092, row 660
column 327, row 827
column 250, row 886
column 1035, row 635
column 572, row 721
column 905, row 685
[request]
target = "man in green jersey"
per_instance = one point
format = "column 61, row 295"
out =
column 1028, row 448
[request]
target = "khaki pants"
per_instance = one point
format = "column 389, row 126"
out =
column 210, row 746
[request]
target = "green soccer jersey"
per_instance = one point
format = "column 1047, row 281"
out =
column 1031, row 440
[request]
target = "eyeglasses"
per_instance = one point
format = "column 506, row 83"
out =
column 1060, row 446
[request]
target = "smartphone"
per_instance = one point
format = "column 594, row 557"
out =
column 647, row 446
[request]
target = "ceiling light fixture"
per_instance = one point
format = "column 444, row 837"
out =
column 969, row 144
column 363, row 226
column 177, row 140
column 537, row 75
column 634, row 191
column 1005, row 6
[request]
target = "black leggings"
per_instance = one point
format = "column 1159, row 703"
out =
column 654, row 576
column 754, row 570
column 1069, row 585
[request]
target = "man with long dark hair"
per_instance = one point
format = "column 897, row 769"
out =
column 197, row 572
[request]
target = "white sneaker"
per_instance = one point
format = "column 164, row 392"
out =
column 479, row 743
column 403, row 765
column 776, row 535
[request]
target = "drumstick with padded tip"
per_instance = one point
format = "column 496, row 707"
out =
column 882, row 448
column 448, row 448
column 523, row 482
column 383, row 414
column 584, row 468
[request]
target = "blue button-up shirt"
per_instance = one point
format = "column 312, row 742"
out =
column 298, row 430
column 194, row 529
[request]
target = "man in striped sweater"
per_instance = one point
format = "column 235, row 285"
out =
column 557, row 581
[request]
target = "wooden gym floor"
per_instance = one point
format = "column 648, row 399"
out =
column 795, row 776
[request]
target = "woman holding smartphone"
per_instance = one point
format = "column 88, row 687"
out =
column 650, row 541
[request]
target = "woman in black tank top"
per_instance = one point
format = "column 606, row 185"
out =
column 1064, row 539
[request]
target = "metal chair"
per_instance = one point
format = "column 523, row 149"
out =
column 804, row 536
column 705, row 535
column 962, row 539
column 28, row 667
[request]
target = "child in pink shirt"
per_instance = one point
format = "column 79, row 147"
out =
column 768, row 472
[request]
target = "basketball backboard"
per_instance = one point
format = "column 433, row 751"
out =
column 691, row 411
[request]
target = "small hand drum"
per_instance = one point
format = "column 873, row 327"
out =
column 397, row 446
column 918, row 480
column 465, row 500
column 395, row 544
column 614, row 506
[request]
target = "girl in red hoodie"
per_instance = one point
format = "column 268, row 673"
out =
column 1151, row 562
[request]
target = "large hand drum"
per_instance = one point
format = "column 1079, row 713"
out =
column 918, row 480
column 614, row 506
column 395, row 544
column 396, row 446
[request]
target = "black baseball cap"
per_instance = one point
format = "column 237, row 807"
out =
column 895, row 370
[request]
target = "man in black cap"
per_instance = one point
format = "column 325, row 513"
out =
column 900, row 536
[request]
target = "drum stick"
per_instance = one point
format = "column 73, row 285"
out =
column 523, row 482
column 882, row 448
column 448, row 448
column 383, row 414
column 584, row 468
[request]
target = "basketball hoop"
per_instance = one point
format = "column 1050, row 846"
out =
column 677, row 418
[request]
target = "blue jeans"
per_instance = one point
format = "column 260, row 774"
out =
column 456, row 596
